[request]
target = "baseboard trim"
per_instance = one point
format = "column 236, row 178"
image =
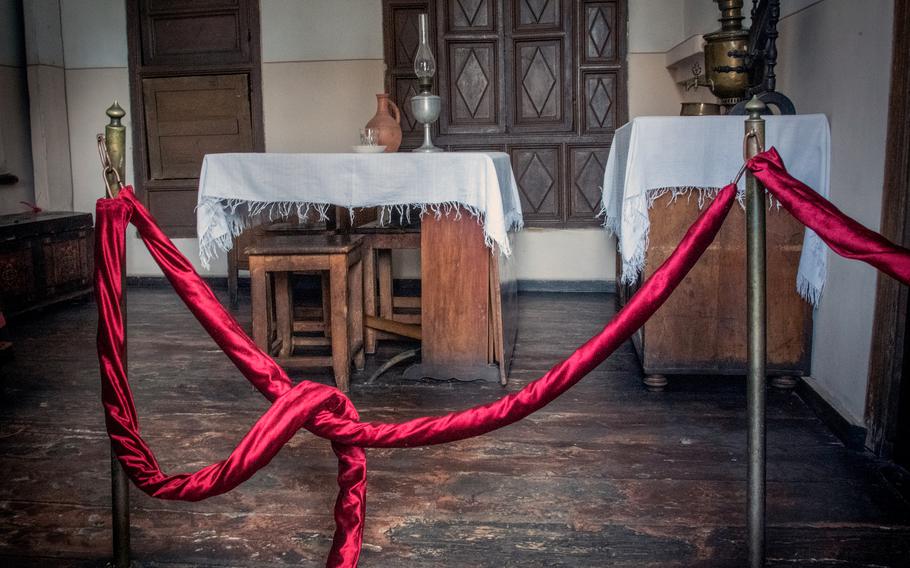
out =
column 853, row 436
column 215, row 282
column 568, row 286
column 405, row 286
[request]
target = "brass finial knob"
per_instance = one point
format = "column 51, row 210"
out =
column 115, row 112
column 756, row 108
column 731, row 14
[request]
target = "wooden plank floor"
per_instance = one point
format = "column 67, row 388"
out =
column 608, row 475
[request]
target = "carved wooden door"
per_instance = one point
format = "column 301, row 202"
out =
column 543, row 80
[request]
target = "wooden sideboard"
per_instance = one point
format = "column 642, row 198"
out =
column 44, row 258
column 701, row 329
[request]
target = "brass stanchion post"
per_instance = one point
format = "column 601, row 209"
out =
column 757, row 339
column 115, row 144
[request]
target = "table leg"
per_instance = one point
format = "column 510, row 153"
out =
column 259, row 293
column 355, row 292
column 369, row 292
column 284, row 312
column 341, row 353
column 455, row 301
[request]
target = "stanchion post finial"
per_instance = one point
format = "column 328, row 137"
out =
column 115, row 141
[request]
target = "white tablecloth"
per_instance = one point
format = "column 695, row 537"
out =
column 651, row 156
column 234, row 187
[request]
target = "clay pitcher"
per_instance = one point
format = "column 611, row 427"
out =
column 388, row 123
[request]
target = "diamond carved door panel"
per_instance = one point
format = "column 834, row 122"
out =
column 473, row 88
column 537, row 173
column 401, row 39
column 405, row 36
column 403, row 88
column 586, row 176
column 471, row 15
column 536, row 15
column 538, row 82
column 598, row 32
column 599, row 109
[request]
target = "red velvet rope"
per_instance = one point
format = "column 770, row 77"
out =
column 844, row 235
column 321, row 409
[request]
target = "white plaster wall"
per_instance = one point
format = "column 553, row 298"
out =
column 15, row 140
column 318, row 106
column 94, row 33
column 655, row 25
column 583, row 254
column 702, row 16
column 320, row 30
column 836, row 60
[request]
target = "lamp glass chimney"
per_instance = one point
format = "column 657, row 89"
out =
column 424, row 62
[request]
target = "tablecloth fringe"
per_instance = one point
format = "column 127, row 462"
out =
column 238, row 221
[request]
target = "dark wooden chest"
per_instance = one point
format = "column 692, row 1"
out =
column 44, row 258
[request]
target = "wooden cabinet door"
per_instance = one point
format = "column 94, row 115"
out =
column 195, row 82
column 185, row 119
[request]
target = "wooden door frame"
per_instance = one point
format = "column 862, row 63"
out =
column 886, row 361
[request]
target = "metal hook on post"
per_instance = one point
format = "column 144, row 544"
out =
column 756, row 336
column 750, row 135
column 112, row 181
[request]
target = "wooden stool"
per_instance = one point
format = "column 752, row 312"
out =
column 272, row 260
column 379, row 242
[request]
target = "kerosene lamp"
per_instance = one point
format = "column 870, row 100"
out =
column 425, row 106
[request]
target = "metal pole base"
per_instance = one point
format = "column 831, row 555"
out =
column 120, row 513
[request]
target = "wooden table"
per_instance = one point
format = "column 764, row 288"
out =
column 469, row 295
column 469, row 303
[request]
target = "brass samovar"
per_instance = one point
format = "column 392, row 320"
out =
column 725, row 52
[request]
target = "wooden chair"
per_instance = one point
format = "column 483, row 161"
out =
column 272, row 260
column 379, row 242
column 262, row 227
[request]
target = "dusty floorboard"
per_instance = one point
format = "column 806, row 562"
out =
column 608, row 475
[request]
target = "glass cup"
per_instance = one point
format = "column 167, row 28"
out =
column 369, row 136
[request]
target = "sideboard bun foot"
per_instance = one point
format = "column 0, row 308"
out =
column 655, row 383
column 783, row 382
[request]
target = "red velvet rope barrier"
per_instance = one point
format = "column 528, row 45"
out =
column 327, row 412
column 321, row 409
column 844, row 235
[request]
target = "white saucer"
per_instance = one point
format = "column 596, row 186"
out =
column 365, row 149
